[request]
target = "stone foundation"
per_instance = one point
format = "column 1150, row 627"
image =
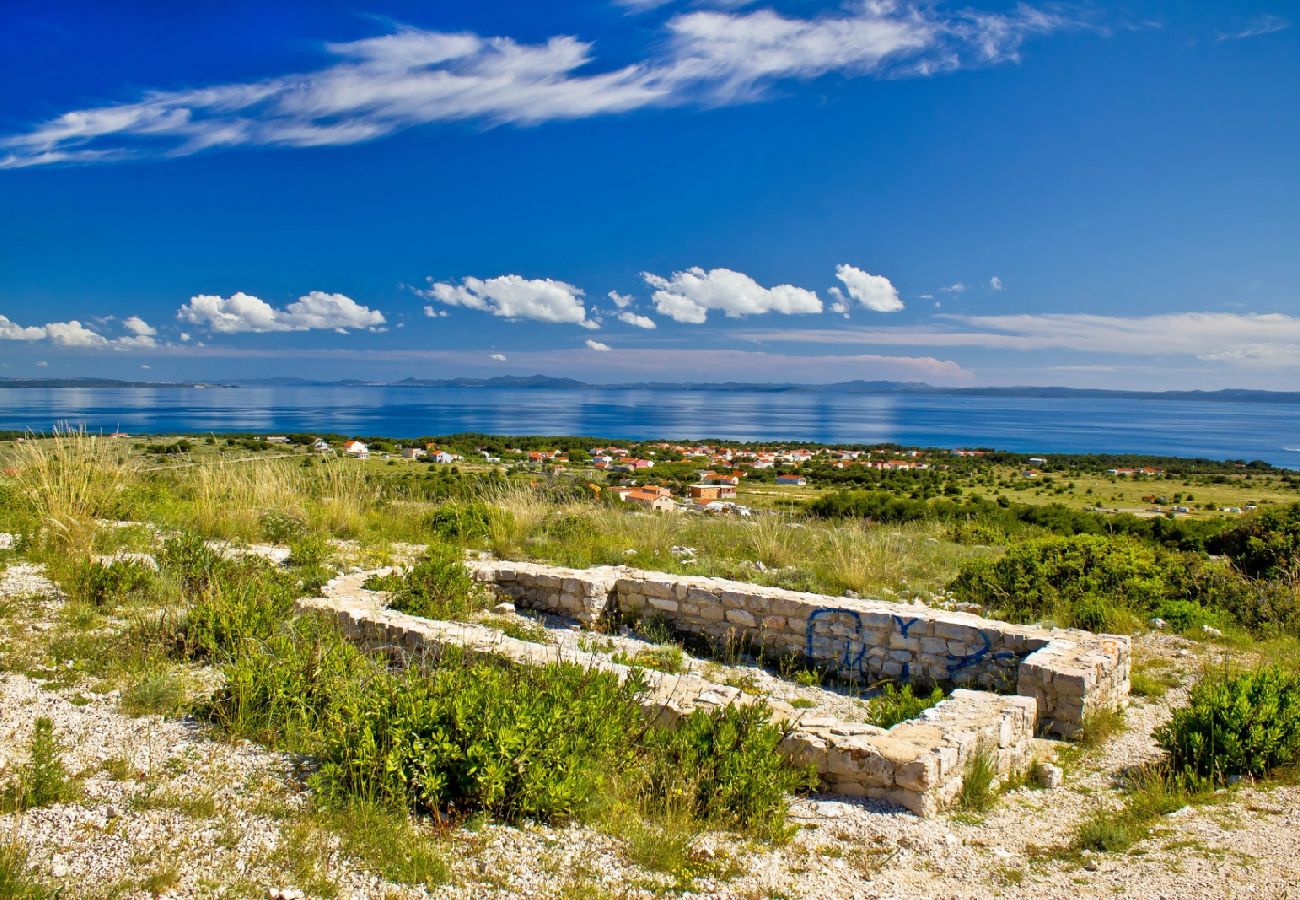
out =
column 919, row 764
column 1068, row 673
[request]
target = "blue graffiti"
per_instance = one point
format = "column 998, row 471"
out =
column 849, row 661
column 855, row 660
column 958, row 663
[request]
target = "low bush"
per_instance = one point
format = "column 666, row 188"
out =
column 1236, row 724
column 110, row 585
column 440, row 587
column 282, row 526
column 896, row 704
column 1266, row 544
column 724, row 768
column 1096, row 582
column 479, row 737
column 470, row 520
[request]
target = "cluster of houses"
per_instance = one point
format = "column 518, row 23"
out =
column 709, row 498
column 360, row 450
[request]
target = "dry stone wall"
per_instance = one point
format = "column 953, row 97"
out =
column 1068, row 673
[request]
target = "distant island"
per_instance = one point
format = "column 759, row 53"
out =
column 546, row 382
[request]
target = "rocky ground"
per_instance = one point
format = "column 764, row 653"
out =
column 166, row 807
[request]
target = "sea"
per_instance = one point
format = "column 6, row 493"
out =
column 1211, row 429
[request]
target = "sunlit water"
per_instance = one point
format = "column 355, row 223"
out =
column 1034, row 425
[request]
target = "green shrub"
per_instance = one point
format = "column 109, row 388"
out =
column 470, row 520
column 440, row 587
column 285, row 687
column 108, row 586
column 724, row 767
column 1266, row 544
column 1093, row 581
column 1184, row 615
column 537, row 744
column 1236, row 724
column 238, row 603
column 896, row 704
column 282, row 526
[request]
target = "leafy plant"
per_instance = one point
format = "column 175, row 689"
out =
column 110, row 585
column 1236, row 724
column 894, row 704
column 439, row 587
column 283, row 526
column 43, row 780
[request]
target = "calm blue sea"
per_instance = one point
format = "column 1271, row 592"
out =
column 1216, row 430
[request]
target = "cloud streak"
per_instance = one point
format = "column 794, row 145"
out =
column 1262, row 339
column 377, row 86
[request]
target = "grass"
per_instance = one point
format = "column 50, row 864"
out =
column 1151, row 679
column 1099, row 726
column 1150, row 794
column 978, row 782
column 18, row 879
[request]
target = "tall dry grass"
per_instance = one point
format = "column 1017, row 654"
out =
column 71, row 478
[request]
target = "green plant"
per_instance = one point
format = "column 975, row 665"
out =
column 110, row 585
column 18, row 879
column 440, row 587
column 282, row 526
column 724, row 767
column 978, row 780
column 1267, row 544
column 43, row 780
column 158, row 692
column 894, row 704
column 1150, row 793
column 1236, row 724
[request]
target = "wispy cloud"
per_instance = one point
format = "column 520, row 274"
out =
column 376, row 86
column 1257, row 26
column 1260, row 339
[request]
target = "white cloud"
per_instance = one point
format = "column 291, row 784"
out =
column 139, row 326
column 377, row 86
column 955, row 288
column 515, row 297
column 145, row 366
column 688, row 296
column 996, row 283
column 185, row 337
column 631, row 318
column 434, row 313
column 622, row 301
column 241, row 313
column 41, row 364
column 74, row 334
column 875, row 292
column 499, row 357
column 596, row 345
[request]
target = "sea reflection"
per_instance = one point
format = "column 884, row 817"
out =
column 1044, row 425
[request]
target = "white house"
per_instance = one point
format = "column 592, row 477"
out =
column 357, row 449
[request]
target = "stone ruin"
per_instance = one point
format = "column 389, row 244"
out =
column 1012, row 681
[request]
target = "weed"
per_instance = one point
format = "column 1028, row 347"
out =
column 18, row 879
column 977, row 794
column 160, row 692
column 440, row 587
column 1100, row 725
column 894, row 704
column 43, row 780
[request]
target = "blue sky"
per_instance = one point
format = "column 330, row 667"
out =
column 1091, row 195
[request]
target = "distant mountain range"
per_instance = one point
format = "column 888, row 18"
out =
column 545, row 382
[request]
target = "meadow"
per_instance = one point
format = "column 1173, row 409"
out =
column 158, row 618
